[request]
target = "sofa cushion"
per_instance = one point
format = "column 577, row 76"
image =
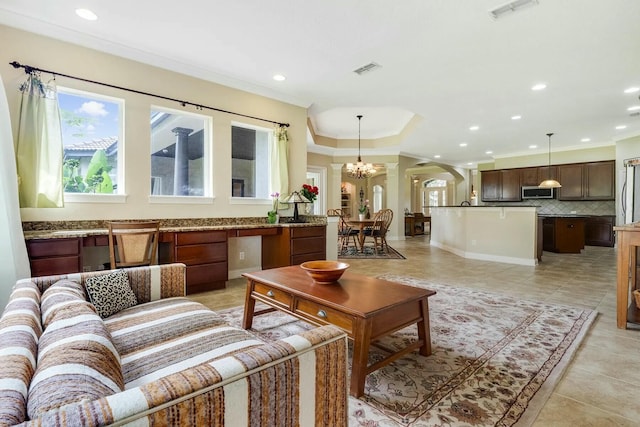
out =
column 60, row 296
column 110, row 292
column 19, row 332
column 166, row 336
column 76, row 357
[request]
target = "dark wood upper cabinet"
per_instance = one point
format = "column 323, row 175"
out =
column 600, row 180
column 587, row 181
column 491, row 187
column 511, row 185
column 501, row 185
column 529, row 177
column 570, row 177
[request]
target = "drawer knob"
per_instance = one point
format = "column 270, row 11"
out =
column 322, row 314
column 271, row 294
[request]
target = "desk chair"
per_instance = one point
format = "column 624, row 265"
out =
column 133, row 244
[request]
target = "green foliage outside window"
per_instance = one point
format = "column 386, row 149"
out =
column 96, row 180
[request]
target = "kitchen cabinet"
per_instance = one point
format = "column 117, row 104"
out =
column 501, row 185
column 587, row 181
column 599, row 231
column 293, row 246
column 563, row 234
column 54, row 256
column 529, row 177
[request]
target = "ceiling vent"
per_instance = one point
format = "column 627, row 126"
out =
column 367, row 68
column 511, row 6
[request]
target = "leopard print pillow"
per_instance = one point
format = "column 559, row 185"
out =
column 110, row 293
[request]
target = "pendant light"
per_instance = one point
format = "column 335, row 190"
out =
column 360, row 170
column 549, row 183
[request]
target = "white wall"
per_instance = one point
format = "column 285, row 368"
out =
column 500, row 234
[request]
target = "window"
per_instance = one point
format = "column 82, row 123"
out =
column 435, row 193
column 250, row 148
column 92, row 142
column 180, row 153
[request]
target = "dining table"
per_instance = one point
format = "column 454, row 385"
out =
column 361, row 224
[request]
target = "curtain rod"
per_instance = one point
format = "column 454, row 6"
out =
column 30, row 69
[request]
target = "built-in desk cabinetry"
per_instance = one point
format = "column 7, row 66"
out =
column 205, row 255
column 294, row 246
column 55, row 256
column 204, row 252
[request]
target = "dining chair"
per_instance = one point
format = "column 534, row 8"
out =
column 378, row 230
column 133, row 243
column 345, row 231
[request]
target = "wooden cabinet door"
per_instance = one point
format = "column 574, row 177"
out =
column 547, row 172
column 599, row 181
column 510, row 185
column 491, row 187
column 599, row 231
column 529, row 177
column 570, row 177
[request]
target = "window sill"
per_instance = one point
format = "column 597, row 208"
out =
column 94, row 198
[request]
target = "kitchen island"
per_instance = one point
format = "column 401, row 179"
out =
column 490, row 233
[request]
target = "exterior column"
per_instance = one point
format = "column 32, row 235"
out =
column 181, row 162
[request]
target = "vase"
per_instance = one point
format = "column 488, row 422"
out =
column 361, row 216
column 273, row 218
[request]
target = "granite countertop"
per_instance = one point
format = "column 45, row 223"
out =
column 65, row 229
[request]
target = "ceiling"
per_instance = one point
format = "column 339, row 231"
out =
column 444, row 65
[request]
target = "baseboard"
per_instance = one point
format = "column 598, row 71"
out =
column 234, row 274
column 486, row 257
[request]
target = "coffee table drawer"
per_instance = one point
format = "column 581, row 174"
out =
column 267, row 292
column 319, row 312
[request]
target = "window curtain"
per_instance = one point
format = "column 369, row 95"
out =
column 280, row 162
column 13, row 251
column 39, row 146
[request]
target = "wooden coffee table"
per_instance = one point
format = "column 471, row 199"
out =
column 364, row 307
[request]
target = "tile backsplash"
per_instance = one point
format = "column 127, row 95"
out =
column 557, row 207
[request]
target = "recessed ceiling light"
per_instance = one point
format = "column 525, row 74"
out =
column 463, row 144
column 488, row 152
column 620, row 127
column 474, row 127
column 469, row 164
column 539, row 86
column 437, row 156
column 632, row 90
column 585, row 140
column 86, row 14
column 516, row 117
column 279, row 78
column 533, row 146
column 634, row 108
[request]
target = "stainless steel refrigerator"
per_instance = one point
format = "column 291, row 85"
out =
column 631, row 191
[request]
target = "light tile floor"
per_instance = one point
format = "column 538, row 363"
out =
column 601, row 387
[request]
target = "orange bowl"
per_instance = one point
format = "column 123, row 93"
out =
column 324, row 271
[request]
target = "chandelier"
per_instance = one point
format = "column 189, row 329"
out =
column 360, row 170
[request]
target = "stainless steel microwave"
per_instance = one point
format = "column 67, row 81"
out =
column 537, row 193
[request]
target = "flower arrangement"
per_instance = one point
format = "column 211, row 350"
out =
column 363, row 206
column 275, row 197
column 310, row 192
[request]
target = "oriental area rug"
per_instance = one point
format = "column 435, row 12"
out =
column 369, row 252
column 495, row 360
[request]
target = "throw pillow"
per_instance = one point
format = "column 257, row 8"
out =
column 110, row 293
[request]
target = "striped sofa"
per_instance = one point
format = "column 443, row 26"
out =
column 165, row 361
